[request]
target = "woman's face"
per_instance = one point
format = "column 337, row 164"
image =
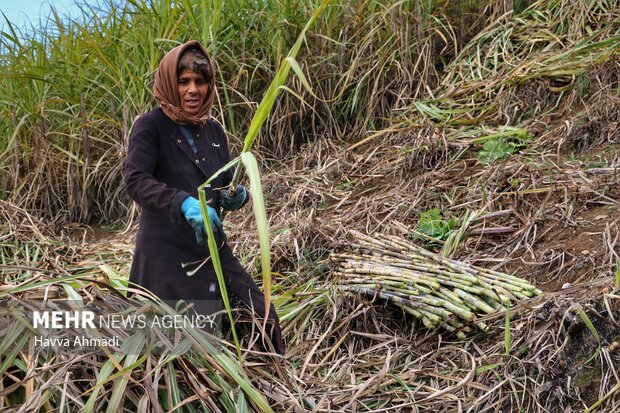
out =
column 193, row 90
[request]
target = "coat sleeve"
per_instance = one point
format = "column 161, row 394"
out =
column 140, row 165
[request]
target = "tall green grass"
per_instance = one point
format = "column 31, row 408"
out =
column 72, row 89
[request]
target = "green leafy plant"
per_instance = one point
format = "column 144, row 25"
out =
column 433, row 224
column 502, row 143
column 494, row 149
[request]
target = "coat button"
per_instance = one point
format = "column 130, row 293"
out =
column 197, row 161
column 178, row 140
column 203, row 159
column 198, row 135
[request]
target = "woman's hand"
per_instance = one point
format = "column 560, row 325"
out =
column 193, row 215
column 236, row 201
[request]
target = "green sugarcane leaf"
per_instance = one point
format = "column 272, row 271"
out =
column 37, row 285
column 9, row 357
column 488, row 367
column 258, row 204
column 75, row 298
column 217, row 266
column 116, row 280
column 174, row 393
column 588, row 323
column 102, row 379
column 132, row 347
column 613, row 391
column 242, row 404
column 300, row 74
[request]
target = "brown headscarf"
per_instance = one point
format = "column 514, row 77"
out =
column 166, row 91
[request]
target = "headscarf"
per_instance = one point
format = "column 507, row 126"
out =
column 166, row 91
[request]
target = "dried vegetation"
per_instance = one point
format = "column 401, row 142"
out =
column 516, row 128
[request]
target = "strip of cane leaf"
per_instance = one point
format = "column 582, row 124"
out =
column 217, row 265
column 588, row 323
column 75, row 298
column 258, row 204
column 242, row 404
column 232, row 368
column 603, row 399
column 102, row 378
column 104, row 374
column 300, row 74
column 507, row 334
column 173, row 390
column 37, row 285
column 592, row 329
column 10, row 356
column 132, row 347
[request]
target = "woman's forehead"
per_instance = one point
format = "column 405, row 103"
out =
column 191, row 74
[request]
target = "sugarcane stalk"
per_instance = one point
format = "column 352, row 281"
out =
column 439, row 291
column 473, row 301
column 425, row 320
column 482, row 326
column 421, row 305
column 448, row 282
column 459, row 310
column 463, row 312
column 455, row 298
column 417, row 278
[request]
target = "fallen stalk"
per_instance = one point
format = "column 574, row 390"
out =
column 439, row 291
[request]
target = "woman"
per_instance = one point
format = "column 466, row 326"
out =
column 172, row 150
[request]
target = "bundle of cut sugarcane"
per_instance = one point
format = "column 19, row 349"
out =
column 437, row 290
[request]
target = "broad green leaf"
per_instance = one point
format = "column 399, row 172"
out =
column 495, row 149
column 432, row 224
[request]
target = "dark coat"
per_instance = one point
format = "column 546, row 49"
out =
column 161, row 171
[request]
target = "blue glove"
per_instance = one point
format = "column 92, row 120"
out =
column 191, row 209
column 234, row 202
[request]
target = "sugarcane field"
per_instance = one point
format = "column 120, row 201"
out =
column 310, row 206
